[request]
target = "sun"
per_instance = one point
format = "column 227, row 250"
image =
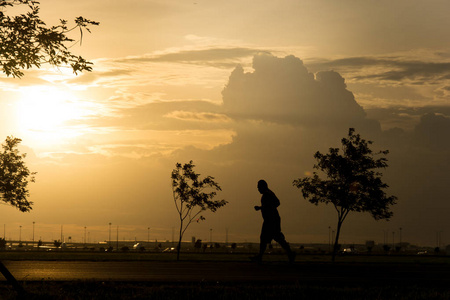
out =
column 43, row 114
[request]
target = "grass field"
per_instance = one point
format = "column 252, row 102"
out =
column 90, row 289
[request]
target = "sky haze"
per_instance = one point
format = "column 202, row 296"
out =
column 247, row 90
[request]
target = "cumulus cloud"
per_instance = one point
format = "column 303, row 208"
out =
column 283, row 90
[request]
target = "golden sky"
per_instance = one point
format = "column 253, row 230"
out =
column 244, row 89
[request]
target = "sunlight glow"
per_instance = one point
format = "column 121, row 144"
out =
column 43, row 114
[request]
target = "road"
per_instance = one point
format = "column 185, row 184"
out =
column 212, row 271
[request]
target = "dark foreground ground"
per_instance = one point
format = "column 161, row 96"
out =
column 361, row 278
column 222, row 290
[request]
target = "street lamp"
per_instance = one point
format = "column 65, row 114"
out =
column 33, row 232
column 110, row 234
column 85, row 236
column 148, row 234
column 20, row 234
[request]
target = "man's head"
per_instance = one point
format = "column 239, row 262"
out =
column 262, row 186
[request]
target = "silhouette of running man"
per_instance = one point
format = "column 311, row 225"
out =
column 271, row 228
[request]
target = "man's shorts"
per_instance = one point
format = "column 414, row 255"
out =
column 271, row 231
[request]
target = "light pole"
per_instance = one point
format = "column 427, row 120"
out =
column 20, row 234
column 84, row 236
column 110, row 234
column 33, row 233
column 148, row 234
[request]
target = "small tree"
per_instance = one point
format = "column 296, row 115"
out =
column 14, row 176
column 192, row 196
column 353, row 181
column 26, row 41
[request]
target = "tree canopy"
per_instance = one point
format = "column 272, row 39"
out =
column 14, row 176
column 353, row 181
column 26, row 41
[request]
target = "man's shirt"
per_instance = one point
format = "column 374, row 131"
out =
column 269, row 204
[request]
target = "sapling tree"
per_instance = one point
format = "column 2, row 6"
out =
column 353, row 181
column 192, row 196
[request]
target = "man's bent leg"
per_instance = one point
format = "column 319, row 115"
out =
column 280, row 239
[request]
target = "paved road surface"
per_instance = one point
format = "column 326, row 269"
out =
column 190, row 271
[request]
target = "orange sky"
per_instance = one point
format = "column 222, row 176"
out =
column 164, row 90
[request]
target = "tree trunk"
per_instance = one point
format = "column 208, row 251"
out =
column 179, row 241
column 336, row 241
column 179, row 249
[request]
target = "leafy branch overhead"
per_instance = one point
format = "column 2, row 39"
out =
column 26, row 41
